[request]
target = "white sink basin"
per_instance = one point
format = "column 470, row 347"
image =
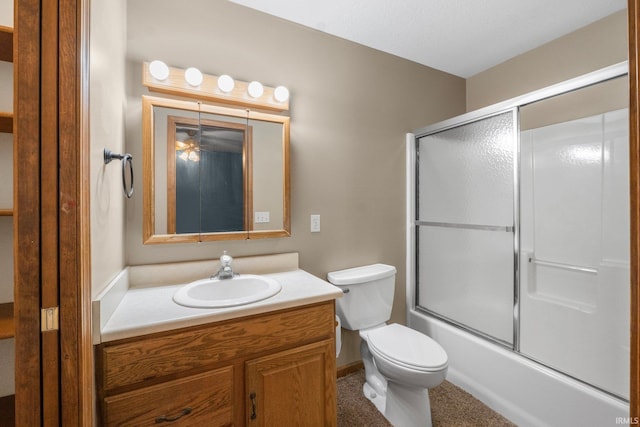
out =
column 216, row 293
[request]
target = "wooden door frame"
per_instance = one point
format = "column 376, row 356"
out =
column 74, row 229
column 54, row 370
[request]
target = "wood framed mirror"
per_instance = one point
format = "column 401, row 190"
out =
column 213, row 173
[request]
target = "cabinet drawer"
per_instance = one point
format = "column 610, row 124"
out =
column 199, row 400
column 127, row 363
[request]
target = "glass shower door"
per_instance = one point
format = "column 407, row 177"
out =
column 465, row 228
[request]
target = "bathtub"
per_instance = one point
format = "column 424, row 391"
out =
column 523, row 391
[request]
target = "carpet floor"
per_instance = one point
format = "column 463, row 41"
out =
column 450, row 407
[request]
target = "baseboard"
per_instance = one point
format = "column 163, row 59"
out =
column 345, row 370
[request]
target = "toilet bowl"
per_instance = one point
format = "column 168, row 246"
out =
column 401, row 364
column 410, row 363
column 407, row 356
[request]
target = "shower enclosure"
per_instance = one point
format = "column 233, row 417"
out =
column 519, row 228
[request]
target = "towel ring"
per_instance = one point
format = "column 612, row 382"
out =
column 126, row 159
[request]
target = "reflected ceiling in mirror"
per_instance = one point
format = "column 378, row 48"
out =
column 213, row 173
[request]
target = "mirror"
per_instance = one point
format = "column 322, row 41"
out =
column 213, row 173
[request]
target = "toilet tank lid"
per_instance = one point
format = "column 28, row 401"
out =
column 362, row 274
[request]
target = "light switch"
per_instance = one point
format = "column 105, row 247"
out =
column 261, row 217
column 315, row 223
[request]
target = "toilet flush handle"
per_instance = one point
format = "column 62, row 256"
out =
column 345, row 291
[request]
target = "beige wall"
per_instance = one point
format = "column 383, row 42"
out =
column 350, row 109
column 107, row 109
column 590, row 48
column 6, row 13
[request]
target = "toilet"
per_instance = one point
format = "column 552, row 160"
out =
column 400, row 363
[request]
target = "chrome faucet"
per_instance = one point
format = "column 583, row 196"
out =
column 225, row 272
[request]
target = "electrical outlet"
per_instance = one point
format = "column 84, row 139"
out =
column 315, row 223
column 261, row 217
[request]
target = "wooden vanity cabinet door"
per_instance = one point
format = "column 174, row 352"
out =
column 292, row 388
column 200, row 400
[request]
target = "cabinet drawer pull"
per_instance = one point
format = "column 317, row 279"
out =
column 252, row 396
column 165, row 418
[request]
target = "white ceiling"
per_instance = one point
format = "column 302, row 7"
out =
column 461, row 37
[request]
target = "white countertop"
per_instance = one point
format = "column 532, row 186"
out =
column 149, row 309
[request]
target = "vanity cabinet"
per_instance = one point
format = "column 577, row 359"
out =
column 276, row 368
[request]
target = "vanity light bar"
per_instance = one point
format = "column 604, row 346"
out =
column 208, row 88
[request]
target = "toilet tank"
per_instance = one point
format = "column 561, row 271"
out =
column 368, row 295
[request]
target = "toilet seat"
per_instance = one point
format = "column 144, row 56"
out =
column 406, row 347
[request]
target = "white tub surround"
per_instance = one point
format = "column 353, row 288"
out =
column 139, row 301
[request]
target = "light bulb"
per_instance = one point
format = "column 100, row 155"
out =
column 184, row 156
column 255, row 89
column 281, row 94
column 158, row 70
column 226, row 83
column 193, row 76
column 193, row 156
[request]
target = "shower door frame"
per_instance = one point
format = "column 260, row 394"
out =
column 609, row 73
column 513, row 228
